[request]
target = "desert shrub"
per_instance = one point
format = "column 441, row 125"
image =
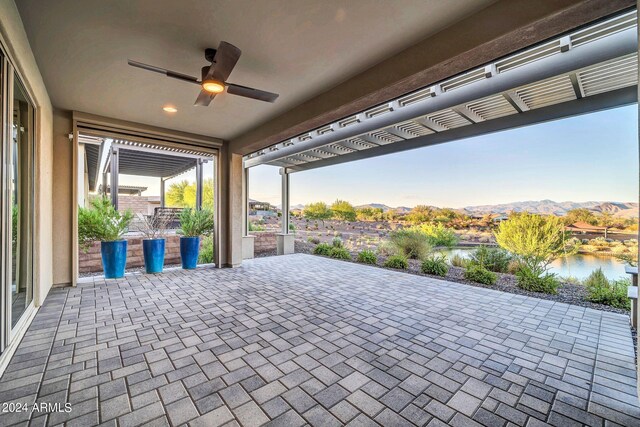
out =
column 256, row 226
column 367, row 257
column 479, row 274
column 336, row 242
column 397, row 261
column 571, row 279
column 206, row 250
column 436, row 265
column 439, row 235
column 459, row 261
column 604, row 291
column 536, row 241
column 322, row 249
column 411, row 243
column 313, row 240
column 339, row 253
column 493, row 259
column 386, row 248
column 536, row 280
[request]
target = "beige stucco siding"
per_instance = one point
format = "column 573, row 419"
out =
column 17, row 47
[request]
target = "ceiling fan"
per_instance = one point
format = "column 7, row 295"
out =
column 214, row 76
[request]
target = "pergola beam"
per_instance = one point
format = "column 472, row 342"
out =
column 603, row 101
column 613, row 46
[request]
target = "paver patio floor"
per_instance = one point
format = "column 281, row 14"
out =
column 299, row 339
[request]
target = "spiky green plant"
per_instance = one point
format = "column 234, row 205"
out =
column 101, row 222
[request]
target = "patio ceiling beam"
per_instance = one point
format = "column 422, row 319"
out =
column 603, row 101
column 604, row 49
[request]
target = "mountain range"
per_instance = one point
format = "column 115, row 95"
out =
column 618, row 209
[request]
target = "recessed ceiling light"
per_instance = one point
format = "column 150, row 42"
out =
column 170, row 109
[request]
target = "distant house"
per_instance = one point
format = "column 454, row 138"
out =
column 129, row 190
column 261, row 208
column 584, row 227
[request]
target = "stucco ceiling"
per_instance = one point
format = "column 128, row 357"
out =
column 296, row 48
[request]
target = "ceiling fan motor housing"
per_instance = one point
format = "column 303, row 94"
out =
column 210, row 53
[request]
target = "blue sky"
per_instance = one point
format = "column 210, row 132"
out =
column 589, row 157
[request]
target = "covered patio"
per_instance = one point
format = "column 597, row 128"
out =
column 300, row 339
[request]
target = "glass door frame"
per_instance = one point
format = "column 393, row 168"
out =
column 8, row 75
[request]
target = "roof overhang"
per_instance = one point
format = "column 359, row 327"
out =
column 588, row 70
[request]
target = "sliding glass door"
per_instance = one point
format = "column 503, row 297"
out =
column 17, row 213
column 21, row 202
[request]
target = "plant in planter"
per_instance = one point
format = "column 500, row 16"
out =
column 154, row 229
column 193, row 224
column 102, row 222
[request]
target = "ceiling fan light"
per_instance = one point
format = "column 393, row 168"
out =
column 212, row 86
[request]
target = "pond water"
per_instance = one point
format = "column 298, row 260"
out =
column 578, row 265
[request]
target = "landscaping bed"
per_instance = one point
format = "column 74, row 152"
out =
column 568, row 293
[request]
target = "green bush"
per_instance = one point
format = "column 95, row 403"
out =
column 493, row 259
column 439, row 235
column 609, row 292
column 195, row 222
column 436, row 265
column 339, row 253
column 337, row 242
column 206, row 250
column 313, row 240
column 101, row 222
column 397, row 261
column 536, row 280
column 459, row 261
column 367, row 257
column 411, row 243
column 386, row 248
column 256, row 226
column 479, row 274
column 322, row 249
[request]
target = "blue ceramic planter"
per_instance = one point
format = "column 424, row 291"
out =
column 114, row 258
column 189, row 250
column 153, row 251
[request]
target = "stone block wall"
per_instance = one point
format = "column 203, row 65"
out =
column 143, row 205
column 91, row 261
column 265, row 241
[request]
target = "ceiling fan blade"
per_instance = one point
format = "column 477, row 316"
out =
column 204, row 98
column 252, row 93
column 226, row 58
column 168, row 73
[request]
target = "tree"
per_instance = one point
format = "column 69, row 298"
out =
column 343, row 210
column 175, row 194
column 580, row 215
column 183, row 194
column 420, row 214
column 605, row 219
column 535, row 239
column 317, row 211
column 369, row 214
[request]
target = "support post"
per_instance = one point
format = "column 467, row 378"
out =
column 285, row 240
column 285, row 201
column 105, row 184
column 114, row 176
column 162, row 193
column 248, row 241
column 199, row 184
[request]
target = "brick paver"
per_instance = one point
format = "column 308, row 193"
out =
column 295, row 340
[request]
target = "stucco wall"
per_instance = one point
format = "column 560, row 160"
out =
column 62, row 186
column 19, row 51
